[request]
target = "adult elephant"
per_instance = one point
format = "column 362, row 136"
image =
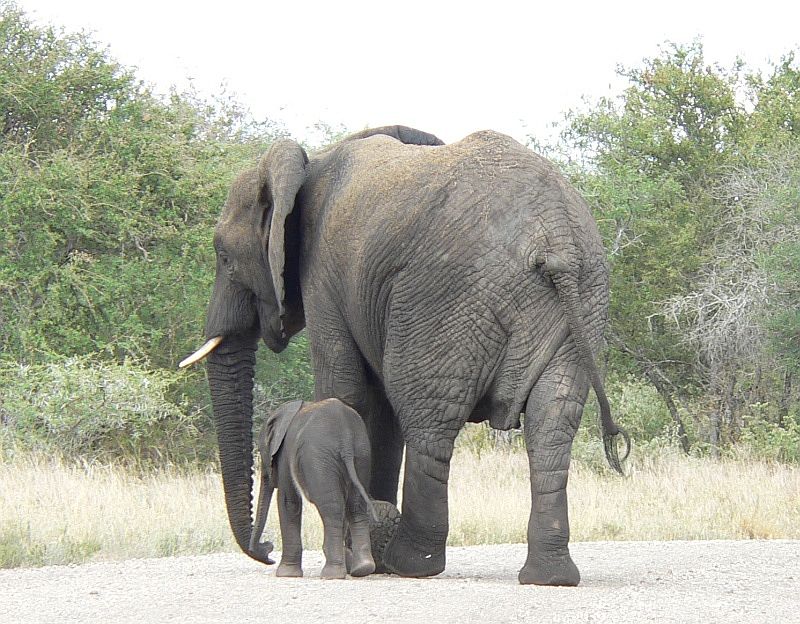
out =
column 439, row 284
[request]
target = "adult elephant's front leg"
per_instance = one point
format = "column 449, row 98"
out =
column 418, row 547
column 386, row 443
column 341, row 372
column 552, row 417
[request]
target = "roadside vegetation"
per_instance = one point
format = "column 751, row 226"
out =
column 108, row 197
column 56, row 512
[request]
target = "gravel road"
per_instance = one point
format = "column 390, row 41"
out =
column 714, row 581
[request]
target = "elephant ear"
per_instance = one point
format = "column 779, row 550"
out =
column 281, row 173
column 278, row 424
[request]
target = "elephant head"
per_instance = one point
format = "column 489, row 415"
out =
column 257, row 295
column 256, row 289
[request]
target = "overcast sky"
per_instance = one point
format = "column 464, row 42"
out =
column 444, row 67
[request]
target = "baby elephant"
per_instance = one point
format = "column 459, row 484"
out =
column 322, row 451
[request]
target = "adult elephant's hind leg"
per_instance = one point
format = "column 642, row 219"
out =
column 552, row 417
column 417, row 548
column 433, row 380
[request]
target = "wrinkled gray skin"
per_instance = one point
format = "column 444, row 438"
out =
column 320, row 450
column 439, row 284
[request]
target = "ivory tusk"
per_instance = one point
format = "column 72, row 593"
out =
column 202, row 352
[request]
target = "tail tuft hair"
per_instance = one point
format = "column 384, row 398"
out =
column 610, row 445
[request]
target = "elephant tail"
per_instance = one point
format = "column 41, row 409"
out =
column 566, row 285
column 351, row 471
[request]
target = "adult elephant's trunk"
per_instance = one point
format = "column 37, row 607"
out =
column 230, row 378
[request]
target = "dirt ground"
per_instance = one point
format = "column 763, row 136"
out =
column 714, row 581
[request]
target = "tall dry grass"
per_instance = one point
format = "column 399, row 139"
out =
column 54, row 513
column 664, row 497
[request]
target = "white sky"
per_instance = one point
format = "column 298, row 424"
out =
column 440, row 66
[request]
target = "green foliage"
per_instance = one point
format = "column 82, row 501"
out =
column 695, row 191
column 645, row 164
column 109, row 195
column 764, row 439
column 54, row 86
column 779, row 255
column 640, row 410
column 286, row 376
column 99, row 411
column 776, row 112
column 479, row 438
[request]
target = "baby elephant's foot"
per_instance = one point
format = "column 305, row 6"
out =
column 359, row 561
column 289, row 570
column 333, row 571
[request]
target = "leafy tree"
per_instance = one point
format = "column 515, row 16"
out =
column 693, row 297
column 109, row 197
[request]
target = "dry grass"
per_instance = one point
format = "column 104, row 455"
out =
column 664, row 498
column 52, row 513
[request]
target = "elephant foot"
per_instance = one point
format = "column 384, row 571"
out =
column 332, row 571
column 289, row 570
column 381, row 531
column 361, row 566
column 560, row 571
column 360, row 562
column 406, row 557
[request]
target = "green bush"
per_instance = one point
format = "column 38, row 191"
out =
column 99, row 411
column 110, row 195
column 640, row 409
column 478, row 438
column 109, row 198
column 763, row 438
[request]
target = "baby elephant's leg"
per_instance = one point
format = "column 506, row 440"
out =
column 325, row 489
column 360, row 561
column 290, row 510
column 332, row 512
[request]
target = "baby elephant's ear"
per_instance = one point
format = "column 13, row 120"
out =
column 278, row 424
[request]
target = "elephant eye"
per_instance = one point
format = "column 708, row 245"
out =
column 226, row 261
